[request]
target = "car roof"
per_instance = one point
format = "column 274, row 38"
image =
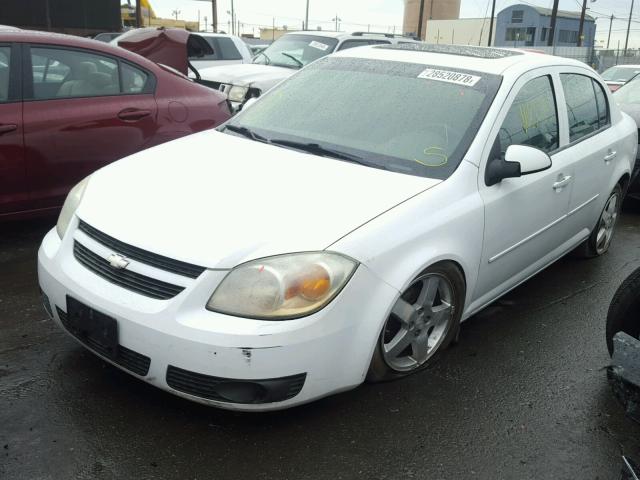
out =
column 212, row 34
column 342, row 35
column 481, row 59
column 625, row 66
column 59, row 39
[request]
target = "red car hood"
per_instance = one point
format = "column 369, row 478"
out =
column 168, row 46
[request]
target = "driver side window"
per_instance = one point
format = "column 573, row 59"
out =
column 532, row 119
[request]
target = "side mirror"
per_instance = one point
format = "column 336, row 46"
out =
column 531, row 160
column 518, row 160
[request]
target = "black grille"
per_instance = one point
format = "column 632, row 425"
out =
column 133, row 361
column 235, row 391
column 147, row 286
column 135, row 253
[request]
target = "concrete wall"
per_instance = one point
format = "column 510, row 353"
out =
column 534, row 20
column 463, row 31
column 433, row 9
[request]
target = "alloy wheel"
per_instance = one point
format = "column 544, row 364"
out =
column 419, row 322
column 607, row 224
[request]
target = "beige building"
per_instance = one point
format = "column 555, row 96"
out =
column 463, row 31
column 433, row 9
column 270, row 34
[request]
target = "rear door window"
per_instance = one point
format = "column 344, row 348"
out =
column 582, row 105
column 532, row 119
column 223, row 49
column 5, row 65
column 62, row 73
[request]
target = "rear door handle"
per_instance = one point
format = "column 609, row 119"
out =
column 610, row 156
column 133, row 114
column 562, row 182
column 7, row 128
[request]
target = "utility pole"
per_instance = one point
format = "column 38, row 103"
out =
column 421, row 18
column 337, row 19
column 581, row 29
column 233, row 19
column 610, row 27
column 273, row 30
column 626, row 42
column 175, row 13
column 214, row 15
column 493, row 12
column 306, row 18
column 552, row 27
column 138, row 13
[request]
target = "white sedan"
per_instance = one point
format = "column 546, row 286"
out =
column 343, row 226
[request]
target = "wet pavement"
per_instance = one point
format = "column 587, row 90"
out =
column 523, row 395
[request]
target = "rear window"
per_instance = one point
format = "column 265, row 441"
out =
column 620, row 74
column 223, row 49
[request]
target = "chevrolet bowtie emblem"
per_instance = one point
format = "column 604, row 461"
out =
column 118, row 261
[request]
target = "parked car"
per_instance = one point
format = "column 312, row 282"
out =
column 205, row 49
column 617, row 76
column 628, row 99
column 331, row 242
column 227, row 50
column 71, row 105
column 283, row 58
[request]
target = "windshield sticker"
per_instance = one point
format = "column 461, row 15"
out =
column 319, row 46
column 450, row 77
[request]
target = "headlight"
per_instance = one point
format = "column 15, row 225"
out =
column 70, row 206
column 282, row 287
column 237, row 94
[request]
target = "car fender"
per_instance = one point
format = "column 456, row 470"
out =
column 444, row 223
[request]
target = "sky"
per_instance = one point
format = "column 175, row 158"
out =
column 384, row 15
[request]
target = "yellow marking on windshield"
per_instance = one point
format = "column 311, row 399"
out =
column 436, row 153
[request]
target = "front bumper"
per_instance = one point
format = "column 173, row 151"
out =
column 219, row 360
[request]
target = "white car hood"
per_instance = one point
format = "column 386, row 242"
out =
column 247, row 75
column 217, row 200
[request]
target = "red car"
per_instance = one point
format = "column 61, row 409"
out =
column 70, row 105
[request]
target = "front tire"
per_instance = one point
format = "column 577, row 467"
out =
column 599, row 241
column 624, row 311
column 423, row 322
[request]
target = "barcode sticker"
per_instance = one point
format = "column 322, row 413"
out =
column 318, row 45
column 450, row 77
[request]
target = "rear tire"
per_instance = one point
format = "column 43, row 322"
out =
column 624, row 311
column 599, row 241
column 424, row 320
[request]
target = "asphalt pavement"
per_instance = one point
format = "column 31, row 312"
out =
column 522, row 396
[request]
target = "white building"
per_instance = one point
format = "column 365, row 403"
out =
column 462, row 31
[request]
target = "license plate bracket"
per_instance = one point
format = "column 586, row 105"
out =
column 97, row 330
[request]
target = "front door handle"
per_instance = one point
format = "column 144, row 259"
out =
column 563, row 181
column 610, row 156
column 7, row 128
column 133, row 114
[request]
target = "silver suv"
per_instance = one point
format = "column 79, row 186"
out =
column 283, row 58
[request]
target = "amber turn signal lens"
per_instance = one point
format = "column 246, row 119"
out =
column 315, row 284
column 311, row 285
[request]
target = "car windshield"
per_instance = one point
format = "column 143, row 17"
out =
column 296, row 51
column 620, row 74
column 403, row 117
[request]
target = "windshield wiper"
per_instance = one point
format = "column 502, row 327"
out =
column 288, row 55
column 245, row 132
column 318, row 149
column 265, row 56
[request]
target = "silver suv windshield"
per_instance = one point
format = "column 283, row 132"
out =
column 296, row 51
column 403, row 117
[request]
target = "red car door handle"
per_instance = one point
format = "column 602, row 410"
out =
column 7, row 128
column 133, row 114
